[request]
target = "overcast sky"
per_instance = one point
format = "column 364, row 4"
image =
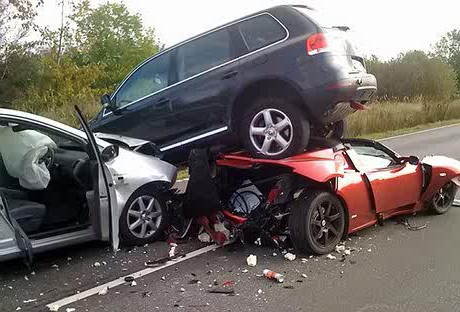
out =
column 384, row 27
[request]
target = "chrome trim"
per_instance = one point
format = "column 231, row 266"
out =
column 201, row 136
column 105, row 113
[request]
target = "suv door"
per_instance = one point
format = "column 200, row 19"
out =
column 207, row 75
column 394, row 184
column 141, row 103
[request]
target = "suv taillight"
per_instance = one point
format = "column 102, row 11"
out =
column 317, row 44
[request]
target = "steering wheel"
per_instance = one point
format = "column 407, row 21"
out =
column 48, row 158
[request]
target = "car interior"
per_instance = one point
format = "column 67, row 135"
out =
column 65, row 204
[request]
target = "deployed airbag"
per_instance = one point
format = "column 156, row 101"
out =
column 21, row 152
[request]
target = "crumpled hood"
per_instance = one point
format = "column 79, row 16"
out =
column 132, row 143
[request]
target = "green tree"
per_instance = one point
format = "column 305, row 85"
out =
column 111, row 36
column 448, row 49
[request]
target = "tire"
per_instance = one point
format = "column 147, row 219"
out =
column 443, row 200
column 336, row 130
column 127, row 218
column 293, row 128
column 305, row 212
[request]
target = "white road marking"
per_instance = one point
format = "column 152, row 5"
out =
column 119, row 281
column 418, row 132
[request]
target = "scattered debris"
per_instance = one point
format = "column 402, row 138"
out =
column 70, row 310
column 133, row 283
column 245, row 271
column 341, row 272
column 304, row 260
column 32, row 273
column 406, row 223
column 29, row 301
column 55, row 266
column 273, row 276
column 251, row 260
column 331, row 257
column 163, row 278
column 96, row 264
column 54, row 308
column 18, row 308
column 104, row 263
column 182, row 289
column 347, row 252
column 194, row 281
column 304, row 275
column 104, row 291
column 129, row 279
column 172, row 251
column 260, row 291
column 274, row 254
column 288, row 287
column 146, row 294
column 289, row 256
column 258, row 242
column 340, row 248
column 26, row 278
column 310, row 256
column 204, row 237
column 369, row 250
column 225, row 288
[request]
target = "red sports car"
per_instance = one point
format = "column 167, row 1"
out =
column 333, row 190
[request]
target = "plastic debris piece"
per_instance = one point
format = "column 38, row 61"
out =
column 340, row 248
column 347, row 252
column 146, row 294
column 225, row 288
column 54, row 308
column 104, row 263
column 69, row 259
column 18, row 308
column 245, row 271
column 204, row 237
column 104, row 291
column 55, row 266
column 274, row 254
column 260, row 291
column 182, row 289
column 133, row 283
column 193, row 281
column 29, row 301
column 369, row 250
column 258, row 242
column 289, row 256
column 304, row 275
column 310, row 256
column 251, row 260
column 96, row 264
column 288, row 287
column 32, row 273
column 163, row 278
column 172, row 251
column 331, row 257
column 70, row 310
column 273, row 276
column 129, row 279
column 26, row 278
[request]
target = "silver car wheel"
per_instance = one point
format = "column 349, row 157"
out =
column 144, row 216
column 271, row 132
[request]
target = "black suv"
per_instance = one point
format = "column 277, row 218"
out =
column 266, row 81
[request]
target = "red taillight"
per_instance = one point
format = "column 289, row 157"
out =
column 317, row 44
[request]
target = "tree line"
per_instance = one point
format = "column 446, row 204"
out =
column 47, row 71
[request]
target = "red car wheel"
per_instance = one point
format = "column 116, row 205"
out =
column 317, row 222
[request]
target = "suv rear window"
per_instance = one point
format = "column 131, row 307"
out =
column 203, row 53
column 261, row 31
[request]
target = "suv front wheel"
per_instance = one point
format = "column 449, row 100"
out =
column 274, row 128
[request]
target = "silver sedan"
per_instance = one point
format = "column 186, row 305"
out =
column 60, row 186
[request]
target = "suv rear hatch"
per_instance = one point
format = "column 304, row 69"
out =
column 333, row 38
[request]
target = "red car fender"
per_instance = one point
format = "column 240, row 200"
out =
column 444, row 169
column 319, row 165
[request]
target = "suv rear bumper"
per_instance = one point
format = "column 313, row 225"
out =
column 337, row 100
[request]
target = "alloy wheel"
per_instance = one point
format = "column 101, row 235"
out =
column 325, row 224
column 444, row 198
column 271, row 132
column 144, row 216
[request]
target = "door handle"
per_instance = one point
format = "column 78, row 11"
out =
column 163, row 102
column 229, row 75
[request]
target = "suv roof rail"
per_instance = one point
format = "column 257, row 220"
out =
column 302, row 6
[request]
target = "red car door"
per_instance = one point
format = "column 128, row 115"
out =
column 394, row 183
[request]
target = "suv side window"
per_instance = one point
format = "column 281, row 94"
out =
column 261, row 31
column 151, row 77
column 203, row 53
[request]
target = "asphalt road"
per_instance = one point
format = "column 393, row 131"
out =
column 390, row 269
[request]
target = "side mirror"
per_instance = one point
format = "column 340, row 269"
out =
column 413, row 160
column 109, row 153
column 106, row 102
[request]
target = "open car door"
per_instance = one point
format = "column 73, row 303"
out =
column 12, row 237
column 107, row 195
